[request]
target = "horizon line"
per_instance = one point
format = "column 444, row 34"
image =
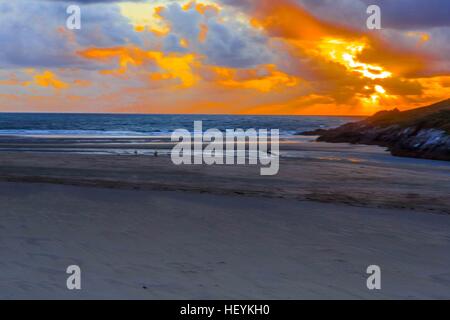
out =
column 182, row 114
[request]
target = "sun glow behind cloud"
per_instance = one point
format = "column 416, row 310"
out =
column 346, row 53
column 144, row 16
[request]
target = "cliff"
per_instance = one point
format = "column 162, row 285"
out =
column 420, row 133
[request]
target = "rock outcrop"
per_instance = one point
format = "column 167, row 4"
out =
column 420, row 133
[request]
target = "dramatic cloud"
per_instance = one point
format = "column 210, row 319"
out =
column 223, row 56
column 31, row 43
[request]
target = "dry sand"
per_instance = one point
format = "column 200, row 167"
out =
column 225, row 232
column 149, row 244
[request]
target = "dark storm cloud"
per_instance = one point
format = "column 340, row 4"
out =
column 413, row 14
column 402, row 15
column 226, row 47
column 396, row 14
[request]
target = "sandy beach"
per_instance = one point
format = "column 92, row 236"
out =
column 140, row 227
column 181, row 245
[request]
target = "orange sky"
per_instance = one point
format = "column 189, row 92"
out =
column 265, row 57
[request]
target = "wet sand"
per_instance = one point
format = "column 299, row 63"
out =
column 337, row 173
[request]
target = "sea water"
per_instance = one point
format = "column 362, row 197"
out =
column 123, row 125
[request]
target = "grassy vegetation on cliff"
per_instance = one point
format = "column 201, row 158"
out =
column 436, row 116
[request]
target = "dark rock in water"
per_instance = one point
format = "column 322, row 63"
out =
column 419, row 133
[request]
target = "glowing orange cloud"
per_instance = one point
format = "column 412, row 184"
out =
column 346, row 53
column 171, row 66
column 352, row 65
column 48, row 79
column 202, row 7
column 139, row 28
column 161, row 29
column 265, row 78
column 203, row 33
column 189, row 69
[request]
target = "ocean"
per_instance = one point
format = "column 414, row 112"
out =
column 124, row 125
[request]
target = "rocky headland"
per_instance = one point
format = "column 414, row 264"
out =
column 419, row 133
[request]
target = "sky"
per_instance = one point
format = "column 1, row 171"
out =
column 287, row 57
